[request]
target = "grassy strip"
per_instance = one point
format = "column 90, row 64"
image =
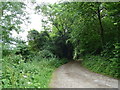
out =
column 102, row 65
column 34, row 74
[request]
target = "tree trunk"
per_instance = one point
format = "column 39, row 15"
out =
column 101, row 28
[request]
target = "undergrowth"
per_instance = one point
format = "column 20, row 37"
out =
column 33, row 74
column 102, row 65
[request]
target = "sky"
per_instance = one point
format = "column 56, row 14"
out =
column 35, row 20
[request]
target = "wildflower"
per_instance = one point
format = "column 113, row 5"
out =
column 25, row 76
column 29, row 82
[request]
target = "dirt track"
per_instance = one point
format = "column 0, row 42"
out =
column 72, row 75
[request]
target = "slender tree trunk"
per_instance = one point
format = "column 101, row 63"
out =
column 101, row 28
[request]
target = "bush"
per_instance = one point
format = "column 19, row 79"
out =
column 45, row 54
column 6, row 50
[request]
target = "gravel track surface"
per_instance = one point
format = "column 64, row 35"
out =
column 73, row 75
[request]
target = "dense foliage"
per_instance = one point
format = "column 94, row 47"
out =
column 24, row 66
column 88, row 26
column 72, row 30
column 82, row 29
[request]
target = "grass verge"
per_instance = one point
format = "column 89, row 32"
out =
column 102, row 65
